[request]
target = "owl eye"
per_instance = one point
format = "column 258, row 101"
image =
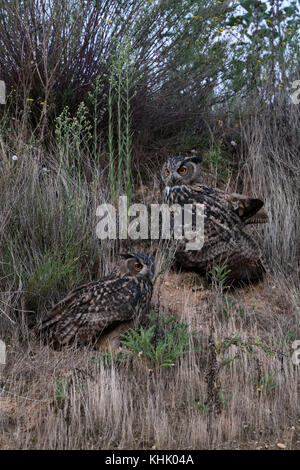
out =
column 167, row 172
column 182, row 170
column 138, row 266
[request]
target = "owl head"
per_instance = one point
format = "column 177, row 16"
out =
column 137, row 264
column 181, row 170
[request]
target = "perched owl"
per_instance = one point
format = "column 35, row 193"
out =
column 226, row 242
column 96, row 308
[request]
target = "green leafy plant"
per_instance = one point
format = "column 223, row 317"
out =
column 52, row 269
column 203, row 406
column 219, row 276
column 224, row 399
column 243, row 345
column 218, row 164
column 61, row 387
column 231, row 307
column 284, row 340
column 228, row 304
column 162, row 343
column 73, row 135
column 267, row 383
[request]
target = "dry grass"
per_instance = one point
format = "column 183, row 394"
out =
column 73, row 399
column 272, row 172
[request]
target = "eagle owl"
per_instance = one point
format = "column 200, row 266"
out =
column 226, row 241
column 93, row 309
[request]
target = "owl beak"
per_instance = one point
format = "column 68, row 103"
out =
column 174, row 179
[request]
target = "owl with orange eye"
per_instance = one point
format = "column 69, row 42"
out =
column 92, row 310
column 227, row 239
column 180, row 170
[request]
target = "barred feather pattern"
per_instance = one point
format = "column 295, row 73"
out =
column 89, row 310
column 226, row 241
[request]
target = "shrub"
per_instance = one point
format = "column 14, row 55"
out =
column 162, row 343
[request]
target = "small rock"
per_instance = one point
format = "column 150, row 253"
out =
column 281, row 446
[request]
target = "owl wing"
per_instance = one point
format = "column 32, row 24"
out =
column 248, row 209
column 222, row 221
column 93, row 307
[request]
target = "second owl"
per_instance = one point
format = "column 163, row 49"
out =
column 91, row 310
column 226, row 240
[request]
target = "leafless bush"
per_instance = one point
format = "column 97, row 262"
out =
column 51, row 53
column 272, row 171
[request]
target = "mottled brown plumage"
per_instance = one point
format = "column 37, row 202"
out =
column 93, row 309
column 226, row 241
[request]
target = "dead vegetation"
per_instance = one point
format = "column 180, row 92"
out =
column 237, row 386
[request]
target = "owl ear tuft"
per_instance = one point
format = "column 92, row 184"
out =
column 194, row 160
column 126, row 255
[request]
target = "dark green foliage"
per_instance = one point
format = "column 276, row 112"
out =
column 162, row 343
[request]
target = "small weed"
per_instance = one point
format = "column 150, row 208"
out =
column 61, row 386
column 73, row 135
column 267, row 383
column 285, row 340
column 203, row 407
column 162, row 343
column 243, row 346
column 228, row 303
column 224, row 399
column 219, row 276
column 217, row 163
column 52, row 270
column 231, row 307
